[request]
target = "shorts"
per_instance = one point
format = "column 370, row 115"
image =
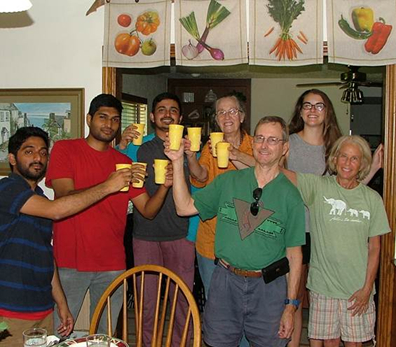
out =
column 330, row 319
column 238, row 305
column 17, row 326
column 306, row 249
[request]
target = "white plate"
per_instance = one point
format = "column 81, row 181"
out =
column 81, row 342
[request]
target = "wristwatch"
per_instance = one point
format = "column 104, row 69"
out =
column 294, row 302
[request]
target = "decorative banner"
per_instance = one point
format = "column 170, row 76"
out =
column 286, row 32
column 210, row 32
column 361, row 32
column 137, row 35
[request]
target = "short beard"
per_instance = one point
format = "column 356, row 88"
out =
column 33, row 176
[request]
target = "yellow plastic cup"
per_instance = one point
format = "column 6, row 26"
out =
column 214, row 139
column 175, row 136
column 194, row 135
column 160, row 170
column 141, row 182
column 140, row 129
column 222, row 154
column 124, row 166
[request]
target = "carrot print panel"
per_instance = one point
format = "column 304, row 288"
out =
column 286, row 32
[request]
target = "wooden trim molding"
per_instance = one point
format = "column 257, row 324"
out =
column 386, row 335
column 109, row 80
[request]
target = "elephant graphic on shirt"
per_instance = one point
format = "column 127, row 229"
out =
column 353, row 212
column 338, row 207
column 365, row 214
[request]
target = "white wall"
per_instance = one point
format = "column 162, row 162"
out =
column 53, row 45
column 277, row 97
column 61, row 48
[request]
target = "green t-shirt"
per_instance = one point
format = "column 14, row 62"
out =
column 268, row 243
column 342, row 220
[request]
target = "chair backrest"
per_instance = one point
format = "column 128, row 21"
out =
column 166, row 279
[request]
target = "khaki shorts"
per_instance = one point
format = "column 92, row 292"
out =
column 329, row 318
column 17, row 326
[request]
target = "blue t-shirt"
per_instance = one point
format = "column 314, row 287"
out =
column 26, row 258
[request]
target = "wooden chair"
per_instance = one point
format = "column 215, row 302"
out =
column 165, row 279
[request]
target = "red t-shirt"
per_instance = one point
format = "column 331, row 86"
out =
column 91, row 240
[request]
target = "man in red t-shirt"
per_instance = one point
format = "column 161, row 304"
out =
column 88, row 247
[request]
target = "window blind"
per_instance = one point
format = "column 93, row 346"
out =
column 133, row 112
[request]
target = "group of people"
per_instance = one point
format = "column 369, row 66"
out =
column 255, row 218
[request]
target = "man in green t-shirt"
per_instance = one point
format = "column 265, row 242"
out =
column 250, row 236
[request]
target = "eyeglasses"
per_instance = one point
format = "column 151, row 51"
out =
column 320, row 106
column 254, row 206
column 271, row 140
column 231, row 112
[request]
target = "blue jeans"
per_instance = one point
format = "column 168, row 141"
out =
column 206, row 267
column 240, row 305
column 75, row 284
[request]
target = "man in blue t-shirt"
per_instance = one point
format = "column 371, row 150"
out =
column 29, row 283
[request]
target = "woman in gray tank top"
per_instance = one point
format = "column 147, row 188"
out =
column 314, row 129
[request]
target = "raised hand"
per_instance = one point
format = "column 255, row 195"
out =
column 128, row 135
column 169, row 176
column 187, row 146
column 139, row 172
column 234, row 152
column 171, row 154
column 118, row 180
column 378, row 158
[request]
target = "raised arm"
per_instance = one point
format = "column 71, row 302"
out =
column 241, row 160
column 197, row 171
column 127, row 136
column 183, row 201
column 150, row 206
column 68, row 205
column 378, row 161
column 291, row 175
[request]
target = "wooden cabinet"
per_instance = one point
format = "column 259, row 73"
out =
column 196, row 96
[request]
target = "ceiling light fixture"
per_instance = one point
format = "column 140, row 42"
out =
column 352, row 94
column 14, row 5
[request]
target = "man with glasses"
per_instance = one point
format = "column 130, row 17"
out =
column 260, row 223
column 162, row 240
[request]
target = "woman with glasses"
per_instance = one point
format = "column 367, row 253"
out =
column 230, row 115
column 314, row 130
column 347, row 219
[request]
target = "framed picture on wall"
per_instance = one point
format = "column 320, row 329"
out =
column 60, row 112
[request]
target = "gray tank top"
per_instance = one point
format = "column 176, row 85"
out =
column 305, row 158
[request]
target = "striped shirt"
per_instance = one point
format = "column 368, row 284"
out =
column 26, row 258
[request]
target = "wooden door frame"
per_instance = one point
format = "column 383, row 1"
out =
column 386, row 336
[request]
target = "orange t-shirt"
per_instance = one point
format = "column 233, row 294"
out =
column 207, row 229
